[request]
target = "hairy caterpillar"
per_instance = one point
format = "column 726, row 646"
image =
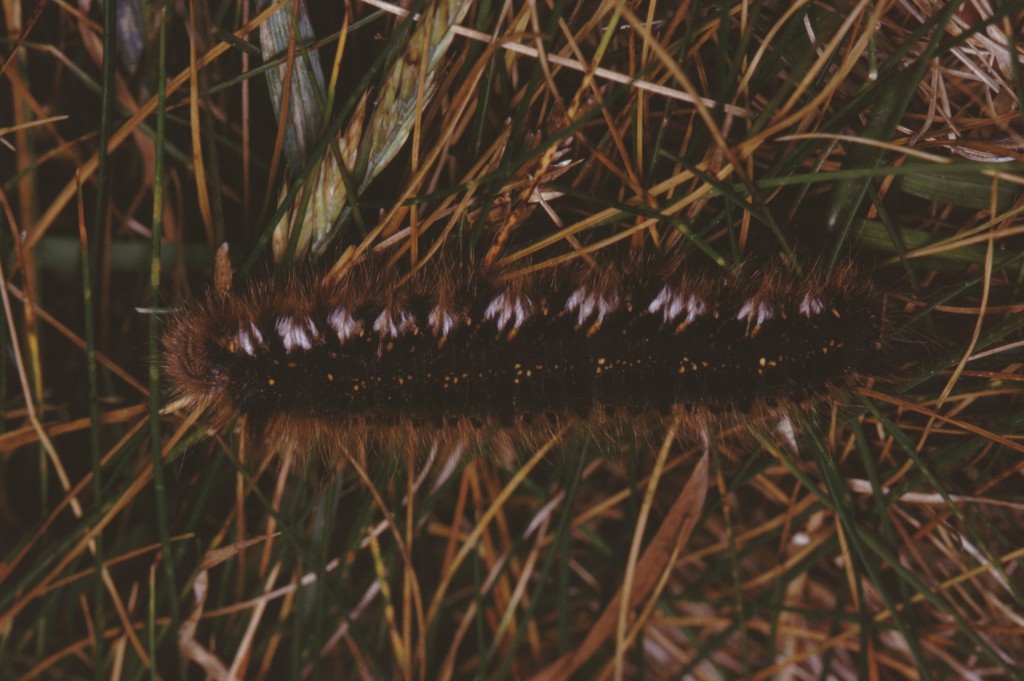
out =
column 309, row 359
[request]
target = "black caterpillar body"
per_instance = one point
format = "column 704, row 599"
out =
column 446, row 348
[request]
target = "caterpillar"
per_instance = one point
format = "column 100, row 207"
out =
column 311, row 358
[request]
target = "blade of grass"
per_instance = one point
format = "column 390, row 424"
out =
column 169, row 583
column 94, row 436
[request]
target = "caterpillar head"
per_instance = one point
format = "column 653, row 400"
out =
column 193, row 358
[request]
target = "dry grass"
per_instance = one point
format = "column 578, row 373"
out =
column 888, row 546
